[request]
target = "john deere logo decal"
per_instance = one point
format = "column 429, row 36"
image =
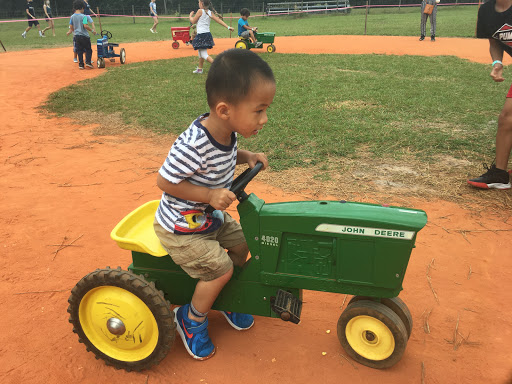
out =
column 504, row 34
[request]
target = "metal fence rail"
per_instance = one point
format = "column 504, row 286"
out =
column 308, row 6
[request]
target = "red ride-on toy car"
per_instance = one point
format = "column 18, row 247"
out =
column 180, row 33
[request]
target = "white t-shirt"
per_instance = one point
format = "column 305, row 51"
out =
column 203, row 24
column 198, row 158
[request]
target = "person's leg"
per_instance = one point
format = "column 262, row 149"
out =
column 24, row 34
column 504, row 136
column 48, row 27
column 423, row 25
column 251, row 34
column 53, row 27
column 80, row 49
column 88, row 51
column 497, row 176
column 206, row 293
column 433, row 24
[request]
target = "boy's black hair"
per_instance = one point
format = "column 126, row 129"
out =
column 78, row 4
column 245, row 12
column 232, row 73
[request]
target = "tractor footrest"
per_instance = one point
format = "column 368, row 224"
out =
column 287, row 306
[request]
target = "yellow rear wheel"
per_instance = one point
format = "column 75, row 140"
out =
column 372, row 334
column 122, row 319
column 241, row 44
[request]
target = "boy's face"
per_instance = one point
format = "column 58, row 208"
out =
column 249, row 116
column 245, row 17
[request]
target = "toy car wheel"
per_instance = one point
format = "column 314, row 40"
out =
column 396, row 305
column 175, row 44
column 241, row 44
column 122, row 319
column 101, row 63
column 372, row 334
column 122, row 56
column 271, row 48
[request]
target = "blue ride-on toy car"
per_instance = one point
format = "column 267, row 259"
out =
column 106, row 50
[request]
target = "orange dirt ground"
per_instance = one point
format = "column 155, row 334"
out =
column 59, row 183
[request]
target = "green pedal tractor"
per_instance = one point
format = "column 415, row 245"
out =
column 263, row 38
column 125, row 317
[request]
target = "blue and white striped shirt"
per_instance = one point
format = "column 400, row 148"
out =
column 198, row 158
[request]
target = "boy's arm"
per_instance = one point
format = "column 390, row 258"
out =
column 496, row 51
column 28, row 13
column 251, row 158
column 71, row 30
column 220, row 198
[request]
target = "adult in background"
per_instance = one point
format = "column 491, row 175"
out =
column 494, row 21
column 154, row 15
column 87, row 9
column 48, row 14
column 432, row 17
column 31, row 16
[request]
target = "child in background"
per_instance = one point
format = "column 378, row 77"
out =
column 91, row 23
column 154, row 15
column 204, row 40
column 243, row 27
column 199, row 171
column 31, row 16
column 78, row 25
column 48, row 14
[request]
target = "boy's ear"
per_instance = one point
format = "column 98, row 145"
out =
column 223, row 109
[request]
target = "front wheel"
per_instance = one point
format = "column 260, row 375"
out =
column 271, row 48
column 101, row 62
column 122, row 319
column 241, row 44
column 175, row 44
column 372, row 334
column 122, row 56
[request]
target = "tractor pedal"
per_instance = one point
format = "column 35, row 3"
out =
column 287, row 306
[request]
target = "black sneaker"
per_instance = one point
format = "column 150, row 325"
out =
column 80, row 66
column 493, row 178
column 422, row 38
column 432, row 38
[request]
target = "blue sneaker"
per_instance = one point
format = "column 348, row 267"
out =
column 239, row 321
column 194, row 335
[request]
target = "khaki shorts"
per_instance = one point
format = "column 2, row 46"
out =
column 203, row 256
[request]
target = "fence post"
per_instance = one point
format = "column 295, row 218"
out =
column 366, row 17
column 133, row 13
column 165, row 7
column 263, row 9
column 399, row 5
column 221, row 10
column 179, row 9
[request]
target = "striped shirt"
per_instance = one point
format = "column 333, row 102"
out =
column 198, row 158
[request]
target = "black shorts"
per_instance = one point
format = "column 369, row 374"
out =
column 32, row 22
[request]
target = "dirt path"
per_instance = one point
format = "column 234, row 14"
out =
column 59, row 183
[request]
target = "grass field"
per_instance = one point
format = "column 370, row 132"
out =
column 390, row 106
column 457, row 21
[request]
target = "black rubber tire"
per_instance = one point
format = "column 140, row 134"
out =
column 396, row 305
column 138, row 286
column 382, row 313
column 122, row 56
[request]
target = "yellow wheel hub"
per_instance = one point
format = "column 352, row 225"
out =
column 370, row 338
column 241, row 45
column 118, row 323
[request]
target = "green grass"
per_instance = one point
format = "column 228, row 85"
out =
column 457, row 21
column 388, row 106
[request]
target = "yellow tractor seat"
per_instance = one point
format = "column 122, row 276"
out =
column 135, row 232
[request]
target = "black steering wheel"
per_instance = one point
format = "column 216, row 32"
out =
column 107, row 33
column 239, row 184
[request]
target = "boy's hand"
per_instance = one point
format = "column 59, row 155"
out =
column 255, row 157
column 231, row 28
column 221, row 198
column 68, row 32
column 191, row 13
column 497, row 73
